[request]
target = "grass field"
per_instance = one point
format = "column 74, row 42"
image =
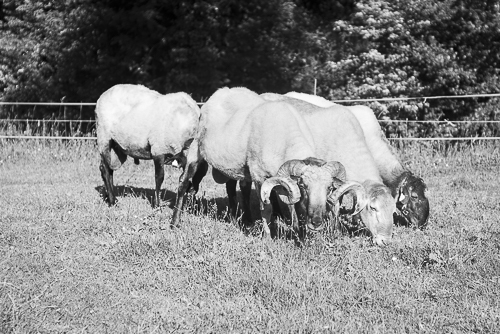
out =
column 71, row 264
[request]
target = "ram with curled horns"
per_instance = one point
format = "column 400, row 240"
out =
column 339, row 136
column 245, row 138
column 407, row 188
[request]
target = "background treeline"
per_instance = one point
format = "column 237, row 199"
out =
column 76, row 49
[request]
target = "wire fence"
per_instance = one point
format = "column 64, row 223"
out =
column 50, row 129
column 395, row 130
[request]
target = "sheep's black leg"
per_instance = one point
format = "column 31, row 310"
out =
column 195, row 170
column 107, row 177
column 232, row 198
column 275, row 202
column 201, row 171
column 246, row 191
column 277, row 213
column 159, row 176
column 179, row 203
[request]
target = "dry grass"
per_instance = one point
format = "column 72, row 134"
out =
column 69, row 263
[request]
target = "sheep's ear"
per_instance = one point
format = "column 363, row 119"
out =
column 187, row 143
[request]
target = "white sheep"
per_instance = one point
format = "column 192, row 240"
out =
column 407, row 189
column 338, row 136
column 135, row 121
column 248, row 139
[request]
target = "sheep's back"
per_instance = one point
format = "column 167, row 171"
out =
column 313, row 99
column 224, row 129
column 179, row 115
column 388, row 163
column 337, row 133
column 145, row 123
column 278, row 133
column 339, row 136
column 227, row 104
column 119, row 100
column 115, row 105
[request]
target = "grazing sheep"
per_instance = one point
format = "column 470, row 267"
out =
column 339, row 136
column 245, row 138
column 135, row 121
column 406, row 188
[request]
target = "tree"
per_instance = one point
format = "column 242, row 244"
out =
column 405, row 48
column 355, row 49
column 80, row 48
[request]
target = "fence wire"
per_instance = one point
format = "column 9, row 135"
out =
column 47, row 128
column 61, row 127
column 393, row 129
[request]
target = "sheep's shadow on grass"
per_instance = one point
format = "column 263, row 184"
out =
column 281, row 227
column 218, row 208
column 193, row 204
column 166, row 195
column 199, row 205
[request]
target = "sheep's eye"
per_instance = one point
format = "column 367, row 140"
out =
column 373, row 208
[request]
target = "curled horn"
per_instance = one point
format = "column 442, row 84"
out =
column 293, row 192
column 283, row 178
column 292, row 168
column 360, row 193
column 337, row 170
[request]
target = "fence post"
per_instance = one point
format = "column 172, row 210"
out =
column 65, row 116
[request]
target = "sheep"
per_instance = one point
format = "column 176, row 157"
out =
column 245, row 138
column 407, row 189
column 135, row 121
column 339, row 136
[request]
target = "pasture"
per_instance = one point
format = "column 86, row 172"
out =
column 71, row 264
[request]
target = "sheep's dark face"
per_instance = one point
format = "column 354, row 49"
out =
column 411, row 202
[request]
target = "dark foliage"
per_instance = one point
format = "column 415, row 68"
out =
column 76, row 49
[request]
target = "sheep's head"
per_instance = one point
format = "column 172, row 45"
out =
column 308, row 184
column 412, row 205
column 377, row 212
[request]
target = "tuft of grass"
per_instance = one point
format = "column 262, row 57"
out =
column 71, row 263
